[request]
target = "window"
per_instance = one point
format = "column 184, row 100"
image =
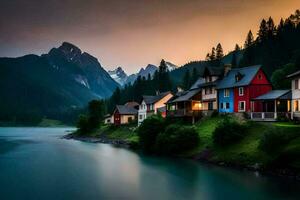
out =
column 296, row 106
column 221, row 105
column 210, row 106
column 226, row 92
column 140, row 117
column 296, row 84
column 241, row 106
column 259, row 77
column 241, row 91
column 227, row 105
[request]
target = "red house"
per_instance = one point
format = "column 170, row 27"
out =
column 244, row 84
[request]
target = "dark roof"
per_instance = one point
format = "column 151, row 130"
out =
column 132, row 104
column 126, row 110
column 297, row 73
column 154, row 99
column 196, row 85
column 187, row 95
column 213, row 83
column 276, row 94
column 247, row 73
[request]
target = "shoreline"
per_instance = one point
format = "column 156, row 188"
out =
column 256, row 168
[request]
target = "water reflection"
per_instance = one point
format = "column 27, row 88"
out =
column 40, row 165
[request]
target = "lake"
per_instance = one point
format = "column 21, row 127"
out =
column 36, row 164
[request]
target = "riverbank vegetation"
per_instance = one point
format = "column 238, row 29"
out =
column 224, row 140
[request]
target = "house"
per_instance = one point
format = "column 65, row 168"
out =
column 239, row 86
column 124, row 114
column 295, row 77
column 275, row 104
column 132, row 104
column 151, row 104
column 212, row 76
column 200, row 99
column 185, row 104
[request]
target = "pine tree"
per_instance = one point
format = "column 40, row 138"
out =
column 249, row 40
column 213, row 54
column 186, row 80
column 195, row 76
column 271, row 29
column 207, row 58
column 263, row 31
column 280, row 26
column 163, row 81
column 234, row 60
column 237, row 47
column 219, row 52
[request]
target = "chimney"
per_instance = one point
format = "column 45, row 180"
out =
column 179, row 89
column 227, row 68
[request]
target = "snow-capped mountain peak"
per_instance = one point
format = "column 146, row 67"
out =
column 171, row 66
column 119, row 75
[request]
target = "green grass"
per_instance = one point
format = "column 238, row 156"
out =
column 246, row 151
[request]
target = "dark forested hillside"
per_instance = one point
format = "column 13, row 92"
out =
column 54, row 85
column 275, row 45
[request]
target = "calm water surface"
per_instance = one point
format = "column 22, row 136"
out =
column 36, row 164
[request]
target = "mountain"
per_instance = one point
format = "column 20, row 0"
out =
column 149, row 69
column 119, row 75
column 51, row 85
column 171, row 66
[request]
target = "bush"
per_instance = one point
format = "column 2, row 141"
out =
column 229, row 131
column 272, row 141
column 83, row 124
column 148, row 131
column 177, row 139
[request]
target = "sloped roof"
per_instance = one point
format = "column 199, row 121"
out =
column 297, row 73
column 196, row 85
column 132, row 104
column 212, row 83
column 154, row 99
column 186, row 96
column 126, row 110
column 275, row 94
column 248, row 74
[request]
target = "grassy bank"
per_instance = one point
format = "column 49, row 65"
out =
column 244, row 153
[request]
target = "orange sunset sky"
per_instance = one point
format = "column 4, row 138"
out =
column 133, row 33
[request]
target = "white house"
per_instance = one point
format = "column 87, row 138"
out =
column 152, row 104
column 295, row 95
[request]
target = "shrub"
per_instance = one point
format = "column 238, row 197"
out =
column 229, row 131
column 272, row 140
column 148, row 132
column 176, row 139
column 83, row 124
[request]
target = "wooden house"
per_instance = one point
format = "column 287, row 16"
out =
column 275, row 104
column 239, row 86
column 295, row 85
column 124, row 115
column 152, row 104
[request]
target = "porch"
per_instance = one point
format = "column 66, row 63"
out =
column 184, row 109
column 271, row 106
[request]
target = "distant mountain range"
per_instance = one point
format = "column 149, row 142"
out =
column 122, row 78
column 48, row 85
